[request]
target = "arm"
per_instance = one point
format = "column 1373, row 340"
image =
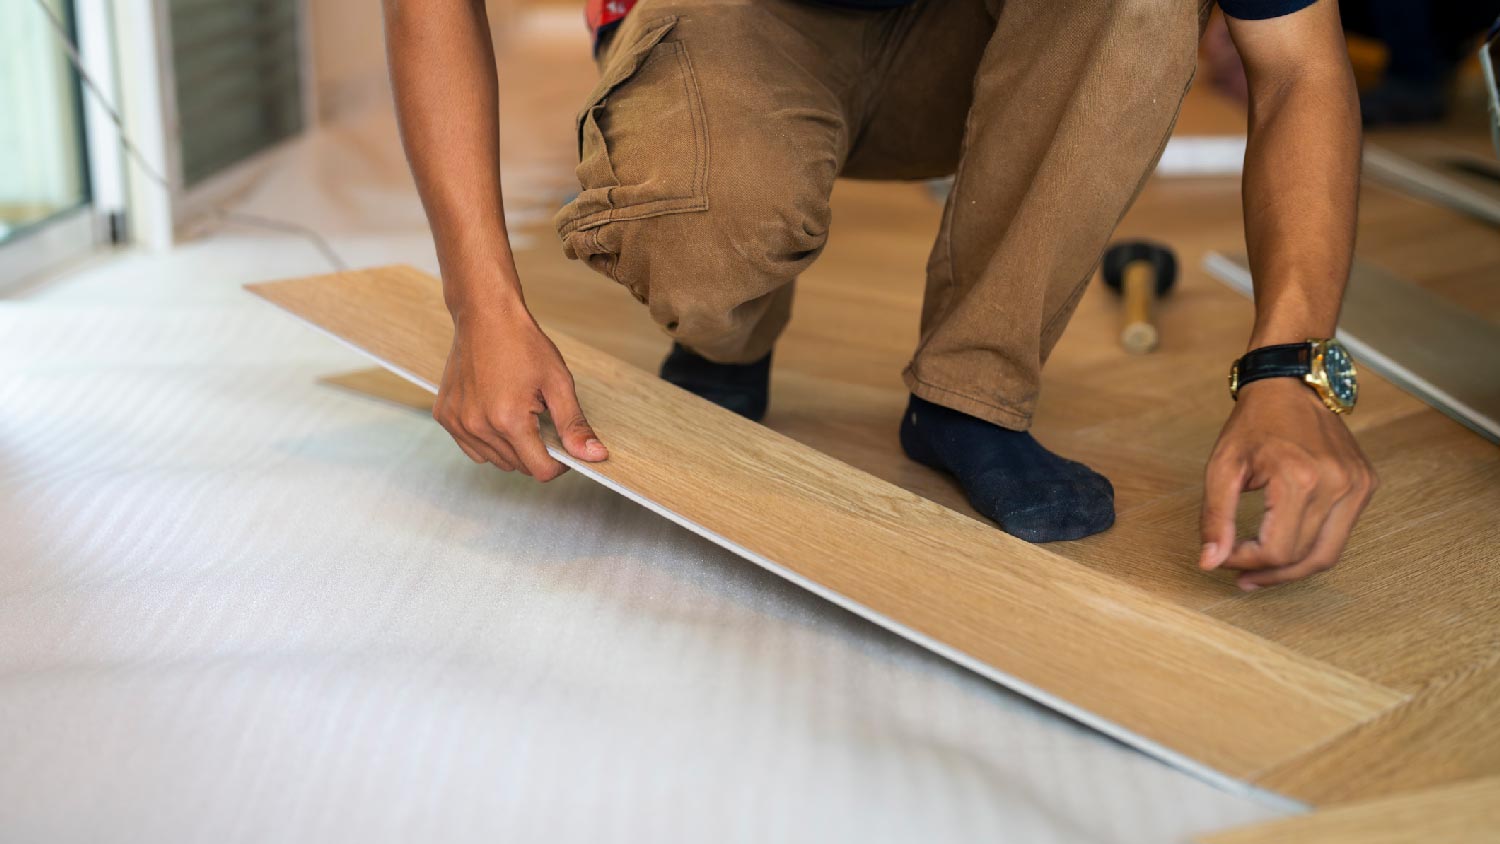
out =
column 1300, row 197
column 502, row 371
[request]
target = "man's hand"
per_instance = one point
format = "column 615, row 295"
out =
column 1301, row 185
column 1281, row 438
column 502, row 373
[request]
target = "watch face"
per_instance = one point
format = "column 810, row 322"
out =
column 1340, row 368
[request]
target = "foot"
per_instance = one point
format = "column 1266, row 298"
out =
column 744, row 388
column 1008, row 476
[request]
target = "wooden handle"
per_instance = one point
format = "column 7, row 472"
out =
column 1139, row 289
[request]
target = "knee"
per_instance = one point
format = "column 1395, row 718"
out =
column 744, row 245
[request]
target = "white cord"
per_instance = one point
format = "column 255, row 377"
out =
column 135, row 155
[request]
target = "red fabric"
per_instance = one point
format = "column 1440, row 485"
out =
column 602, row 13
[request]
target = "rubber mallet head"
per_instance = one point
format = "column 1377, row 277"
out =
column 1141, row 271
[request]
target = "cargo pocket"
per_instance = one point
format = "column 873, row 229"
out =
column 642, row 145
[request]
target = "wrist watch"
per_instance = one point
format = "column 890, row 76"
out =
column 1324, row 365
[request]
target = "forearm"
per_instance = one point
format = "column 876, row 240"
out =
column 1301, row 189
column 443, row 73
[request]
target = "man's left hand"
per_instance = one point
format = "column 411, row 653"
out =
column 1282, row 439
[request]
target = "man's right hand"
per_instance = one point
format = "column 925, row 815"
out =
column 502, row 374
column 502, row 371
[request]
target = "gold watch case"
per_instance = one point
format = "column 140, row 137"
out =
column 1318, row 377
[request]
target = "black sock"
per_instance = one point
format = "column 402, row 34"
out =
column 744, row 388
column 1008, row 476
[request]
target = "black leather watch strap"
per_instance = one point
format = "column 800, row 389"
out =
column 1288, row 360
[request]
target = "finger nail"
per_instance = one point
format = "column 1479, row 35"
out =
column 594, row 447
column 1249, row 587
column 1210, row 552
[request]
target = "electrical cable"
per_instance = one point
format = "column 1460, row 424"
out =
column 65, row 38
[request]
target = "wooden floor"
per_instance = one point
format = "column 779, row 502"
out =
column 1413, row 612
column 1465, row 813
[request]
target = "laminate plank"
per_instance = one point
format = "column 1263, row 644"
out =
column 1439, row 351
column 1446, row 733
column 1417, row 596
column 1465, row 813
column 1436, row 184
column 1184, row 687
column 1437, row 249
column 382, row 384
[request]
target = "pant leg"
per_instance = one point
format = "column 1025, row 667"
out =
column 911, row 124
column 1073, row 101
column 707, row 156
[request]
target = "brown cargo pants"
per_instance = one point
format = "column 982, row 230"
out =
column 710, row 146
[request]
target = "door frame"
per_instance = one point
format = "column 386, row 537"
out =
column 77, row 232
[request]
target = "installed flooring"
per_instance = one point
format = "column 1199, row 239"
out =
column 1464, row 813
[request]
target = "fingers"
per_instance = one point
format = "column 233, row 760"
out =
column 524, row 435
column 1316, row 481
column 500, row 377
column 1323, row 555
column 468, row 451
column 478, row 442
column 1222, row 485
column 1251, row 581
column 1301, row 500
column 1295, row 509
column 578, row 438
column 1329, row 545
column 516, row 444
column 496, row 450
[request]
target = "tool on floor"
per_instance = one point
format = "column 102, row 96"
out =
column 1141, row 271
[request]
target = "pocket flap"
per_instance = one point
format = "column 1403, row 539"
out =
column 624, row 64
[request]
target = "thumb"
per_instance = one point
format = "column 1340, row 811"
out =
column 577, row 436
column 1222, row 484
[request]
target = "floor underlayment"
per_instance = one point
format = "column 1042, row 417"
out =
column 233, row 600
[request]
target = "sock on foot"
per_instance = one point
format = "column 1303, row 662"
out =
column 1009, row 476
column 744, row 388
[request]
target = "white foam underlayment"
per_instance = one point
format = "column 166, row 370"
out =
column 236, row 605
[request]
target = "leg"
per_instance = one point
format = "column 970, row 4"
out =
column 1073, row 103
column 1067, row 108
column 708, row 153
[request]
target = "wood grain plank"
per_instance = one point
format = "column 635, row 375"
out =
column 1187, row 688
column 1441, row 251
column 1417, row 596
column 1439, row 351
column 382, row 384
column 1446, row 733
column 1436, row 184
column 1465, row 813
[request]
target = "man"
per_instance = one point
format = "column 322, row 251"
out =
column 707, row 155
